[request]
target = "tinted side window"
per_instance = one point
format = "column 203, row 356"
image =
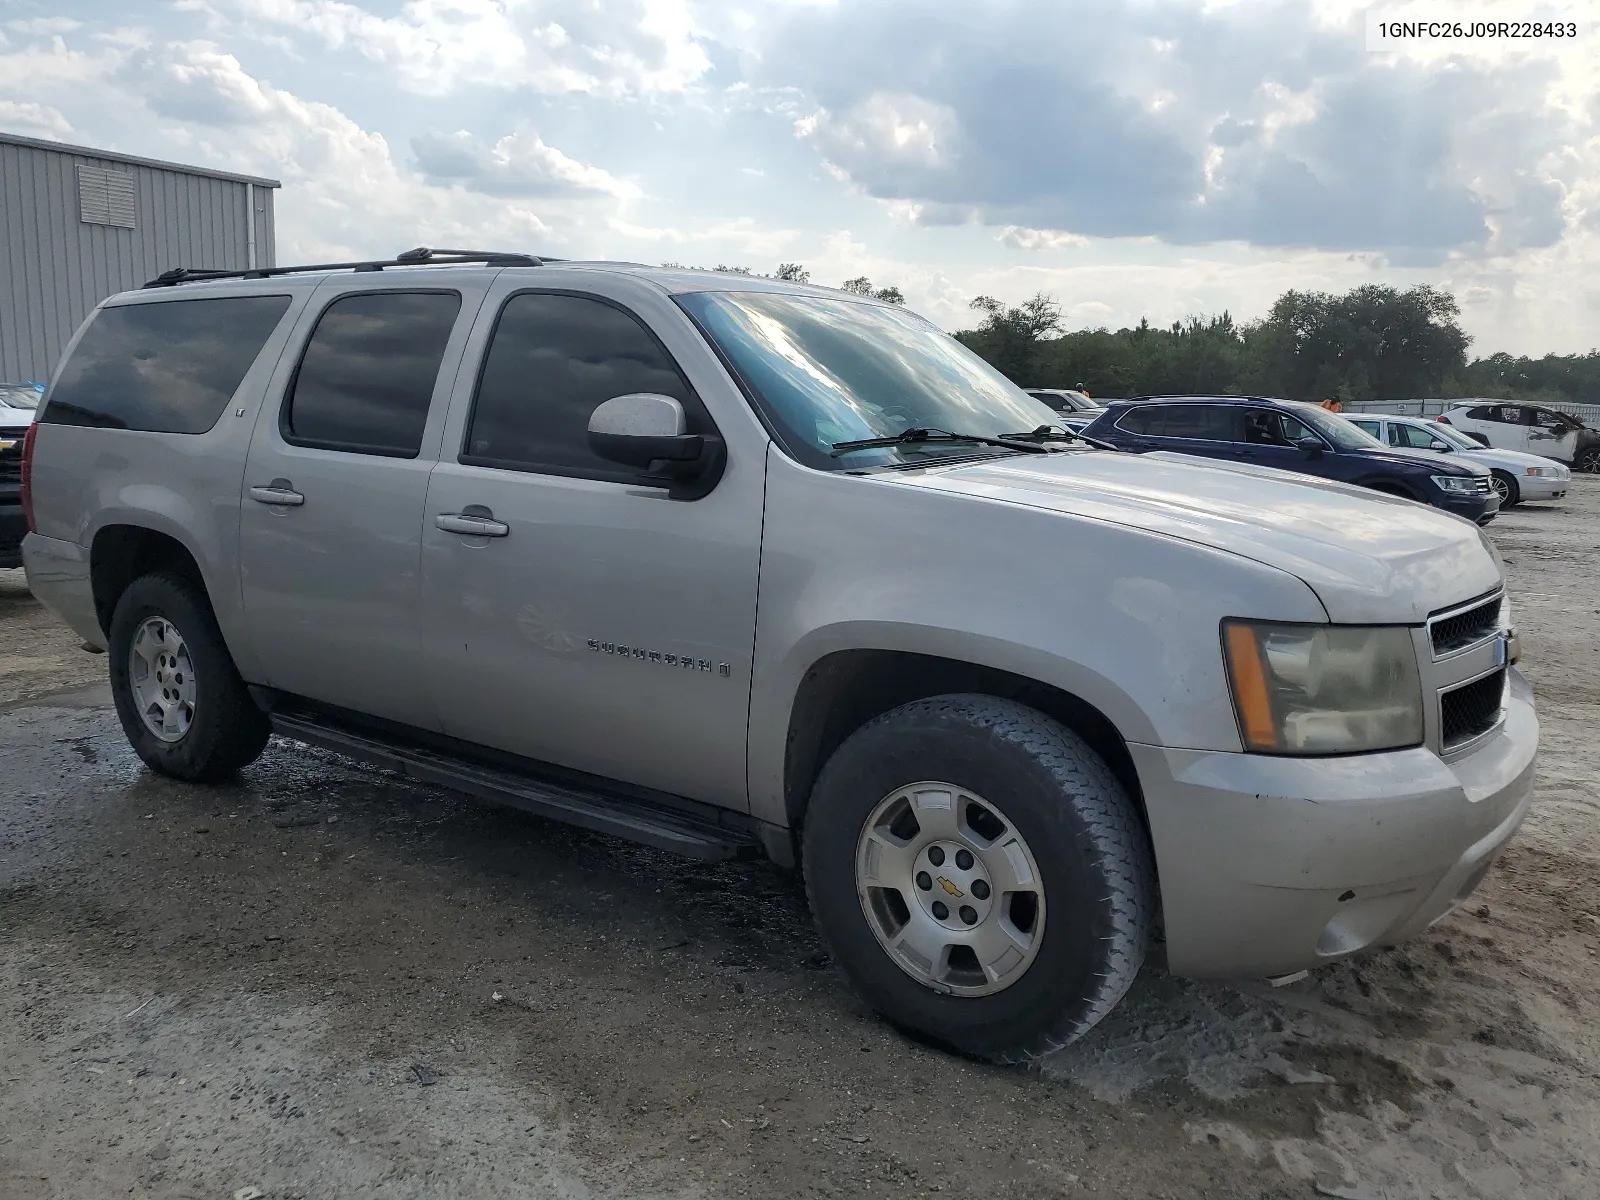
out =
column 367, row 376
column 1484, row 413
column 166, row 367
column 1199, row 421
column 551, row 362
column 1417, row 439
column 1141, row 422
column 1269, row 428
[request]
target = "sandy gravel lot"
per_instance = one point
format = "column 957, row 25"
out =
column 325, row 981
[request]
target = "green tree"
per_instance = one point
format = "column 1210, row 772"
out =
column 1012, row 339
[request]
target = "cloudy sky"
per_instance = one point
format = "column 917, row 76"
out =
column 1132, row 157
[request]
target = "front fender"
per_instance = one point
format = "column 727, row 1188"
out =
column 1124, row 619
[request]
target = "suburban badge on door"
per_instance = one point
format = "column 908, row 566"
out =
column 657, row 656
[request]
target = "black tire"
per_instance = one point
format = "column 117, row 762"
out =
column 1506, row 485
column 1084, row 833
column 228, row 730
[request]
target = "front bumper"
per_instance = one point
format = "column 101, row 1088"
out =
column 1478, row 509
column 1539, row 487
column 1272, row 865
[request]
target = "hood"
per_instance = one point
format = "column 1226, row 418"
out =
column 1439, row 463
column 1515, row 457
column 1370, row 558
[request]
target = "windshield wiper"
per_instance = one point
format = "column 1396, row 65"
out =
column 1060, row 433
column 923, row 435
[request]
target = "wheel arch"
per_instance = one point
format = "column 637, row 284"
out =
column 120, row 553
column 845, row 689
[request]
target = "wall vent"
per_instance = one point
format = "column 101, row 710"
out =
column 105, row 197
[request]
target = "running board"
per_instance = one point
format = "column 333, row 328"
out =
column 665, row 829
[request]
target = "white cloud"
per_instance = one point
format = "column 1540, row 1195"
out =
column 437, row 46
column 1019, row 238
column 519, row 164
column 34, row 120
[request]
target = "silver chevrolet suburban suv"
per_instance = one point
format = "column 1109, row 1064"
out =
column 734, row 566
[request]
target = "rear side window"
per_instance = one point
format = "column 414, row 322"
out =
column 367, row 376
column 1203, row 422
column 554, row 359
column 164, row 367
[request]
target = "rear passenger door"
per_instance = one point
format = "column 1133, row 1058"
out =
column 331, row 516
column 1505, row 425
column 597, row 625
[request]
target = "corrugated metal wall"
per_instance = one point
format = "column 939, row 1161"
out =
column 55, row 267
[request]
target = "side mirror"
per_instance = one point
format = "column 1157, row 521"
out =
column 647, row 430
column 1312, row 446
column 1441, row 447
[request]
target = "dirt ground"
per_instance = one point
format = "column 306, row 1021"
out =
column 325, row 981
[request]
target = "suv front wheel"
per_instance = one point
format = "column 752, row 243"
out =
column 182, row 704
column 980, row 875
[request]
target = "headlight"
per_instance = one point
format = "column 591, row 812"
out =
column 1323, row 689
column 1543, row 472
column 1461, row 485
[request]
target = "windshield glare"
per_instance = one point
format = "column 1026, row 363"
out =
column 19, row 397
column 1338, row 430
column 1454, row 436
column 827, row 371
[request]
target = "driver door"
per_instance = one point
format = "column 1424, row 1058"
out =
column 1551, row 435
column 574, row 614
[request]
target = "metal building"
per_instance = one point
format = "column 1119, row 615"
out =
column 78, row 225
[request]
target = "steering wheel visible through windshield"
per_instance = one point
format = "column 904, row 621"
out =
column 825, row 371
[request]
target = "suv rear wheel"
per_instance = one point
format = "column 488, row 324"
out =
column 980, row 875
column 181, row 702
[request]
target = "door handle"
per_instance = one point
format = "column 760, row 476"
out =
column 473, row 521
column 280, row 492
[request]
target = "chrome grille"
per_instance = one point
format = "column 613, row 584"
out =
column 1481, row 485
column 1472, row 709
column 1464, row 628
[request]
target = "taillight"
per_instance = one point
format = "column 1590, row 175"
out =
column 1443, row 420
column 27, row 476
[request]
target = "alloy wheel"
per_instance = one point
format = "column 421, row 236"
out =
column 161, row 676
column 950, row 888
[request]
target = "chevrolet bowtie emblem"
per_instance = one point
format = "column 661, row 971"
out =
column 949, row 887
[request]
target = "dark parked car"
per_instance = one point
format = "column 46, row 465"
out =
column 1295, row 437
column 19, row 403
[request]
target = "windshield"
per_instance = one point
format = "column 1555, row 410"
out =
column 1454, row 436
column 827, row 371
column 14, row 395
column 1337, row 429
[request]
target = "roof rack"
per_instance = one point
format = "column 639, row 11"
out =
column 420, row 256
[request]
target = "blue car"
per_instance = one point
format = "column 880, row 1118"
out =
column 1295, row 437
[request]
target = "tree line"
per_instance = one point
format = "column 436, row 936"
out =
column 795, row 273
column 1373, row 342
